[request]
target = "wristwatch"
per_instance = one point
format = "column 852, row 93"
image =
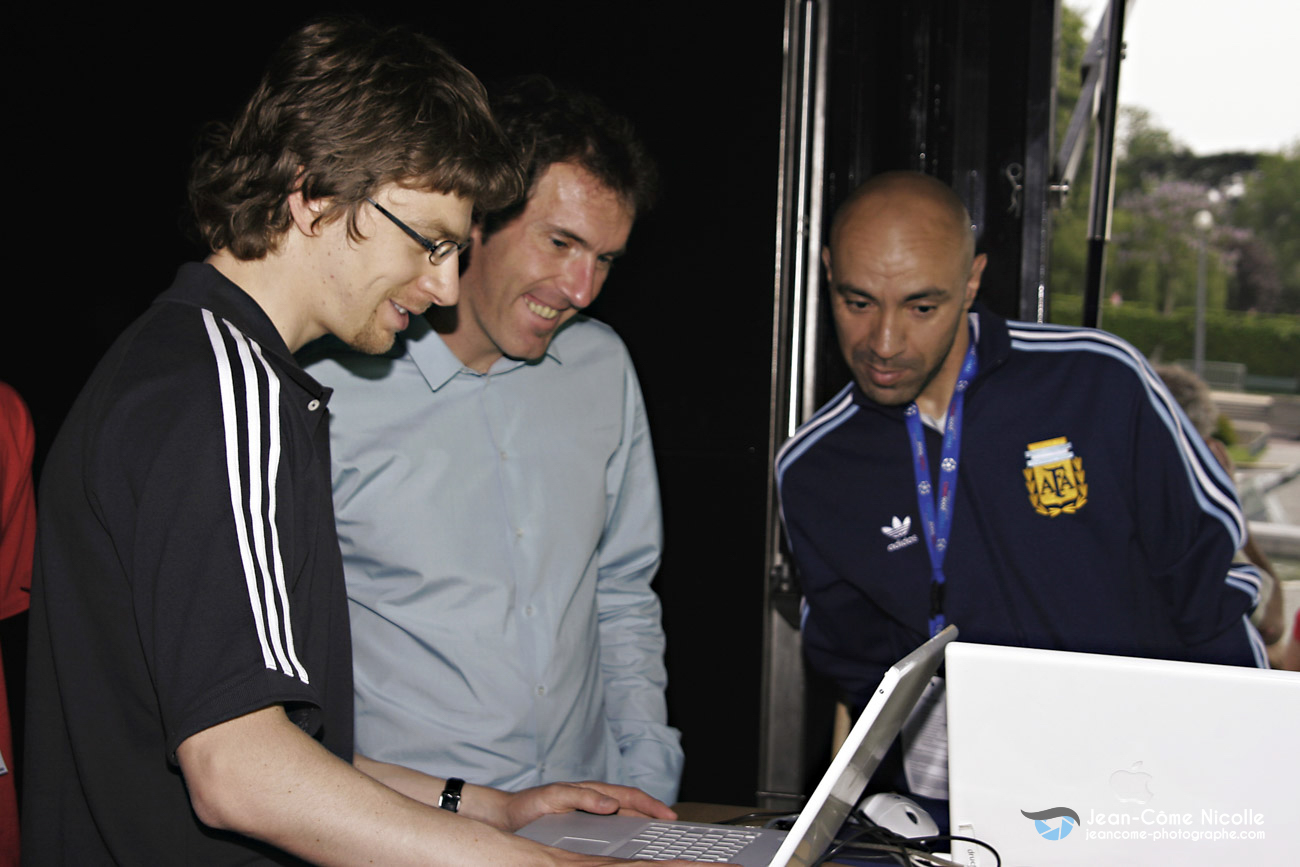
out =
column 450, row 798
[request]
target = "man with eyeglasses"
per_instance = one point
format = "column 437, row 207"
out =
column 190, row 684
column 496, row 492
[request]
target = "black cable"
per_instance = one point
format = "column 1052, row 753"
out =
column 957, row 838
column 913, row 853
column 901, row 850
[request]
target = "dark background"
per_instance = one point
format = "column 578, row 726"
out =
column 106, row 106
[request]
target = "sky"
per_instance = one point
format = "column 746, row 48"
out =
column 1220, row 75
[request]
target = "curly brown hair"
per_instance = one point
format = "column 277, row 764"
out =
column 344, row 108
column 549, row 124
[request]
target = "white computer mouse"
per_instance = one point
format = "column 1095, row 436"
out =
column 901, row 815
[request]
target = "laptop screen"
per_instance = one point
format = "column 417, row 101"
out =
column 1082, row 759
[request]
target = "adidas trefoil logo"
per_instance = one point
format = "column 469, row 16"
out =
column 900, row 531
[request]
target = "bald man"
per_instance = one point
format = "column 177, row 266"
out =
column 1060, row 498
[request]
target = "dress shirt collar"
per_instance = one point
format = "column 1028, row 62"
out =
column 439, row 365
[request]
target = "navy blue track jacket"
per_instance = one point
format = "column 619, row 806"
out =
column 1089, row 516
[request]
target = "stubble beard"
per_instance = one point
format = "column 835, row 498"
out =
column 894, row 397
column 371, row 338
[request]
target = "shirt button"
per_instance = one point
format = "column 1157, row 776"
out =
column 528, row 610
column 503, row 454
column 541, row 690
column 519, row 534
column 313, row 405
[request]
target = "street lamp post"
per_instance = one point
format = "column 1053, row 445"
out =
column 1203, row 221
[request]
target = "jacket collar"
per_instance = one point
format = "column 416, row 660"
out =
column 201, row 285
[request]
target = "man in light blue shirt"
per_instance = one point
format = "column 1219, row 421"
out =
column 496, row 493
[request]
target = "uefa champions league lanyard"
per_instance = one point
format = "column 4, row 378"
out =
column 937, row 517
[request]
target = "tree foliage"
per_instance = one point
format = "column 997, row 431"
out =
column 1252, row 252
column 1069, row 242
column 1158, row 249
column 1270, row 208
column 1069, row 67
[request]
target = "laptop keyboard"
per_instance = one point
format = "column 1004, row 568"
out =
column 693, row 843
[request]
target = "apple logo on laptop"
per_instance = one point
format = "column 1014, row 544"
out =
column 1132, row 786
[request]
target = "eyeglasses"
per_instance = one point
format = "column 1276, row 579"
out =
column 439, row 251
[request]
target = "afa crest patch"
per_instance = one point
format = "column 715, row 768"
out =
column 1055, row 478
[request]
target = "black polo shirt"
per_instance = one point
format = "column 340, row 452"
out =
column 187, row 572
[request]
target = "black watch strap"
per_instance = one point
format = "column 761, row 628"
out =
column 450, row 799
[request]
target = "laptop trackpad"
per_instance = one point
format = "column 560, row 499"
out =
column 582, row 845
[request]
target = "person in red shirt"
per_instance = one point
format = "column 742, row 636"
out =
column 17, row 533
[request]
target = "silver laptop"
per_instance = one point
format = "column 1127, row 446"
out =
column 1083, row 759
column 820, row 820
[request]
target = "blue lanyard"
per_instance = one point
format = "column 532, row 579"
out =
column 937, row 517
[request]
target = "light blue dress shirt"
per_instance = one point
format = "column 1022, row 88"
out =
column 499, row 535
